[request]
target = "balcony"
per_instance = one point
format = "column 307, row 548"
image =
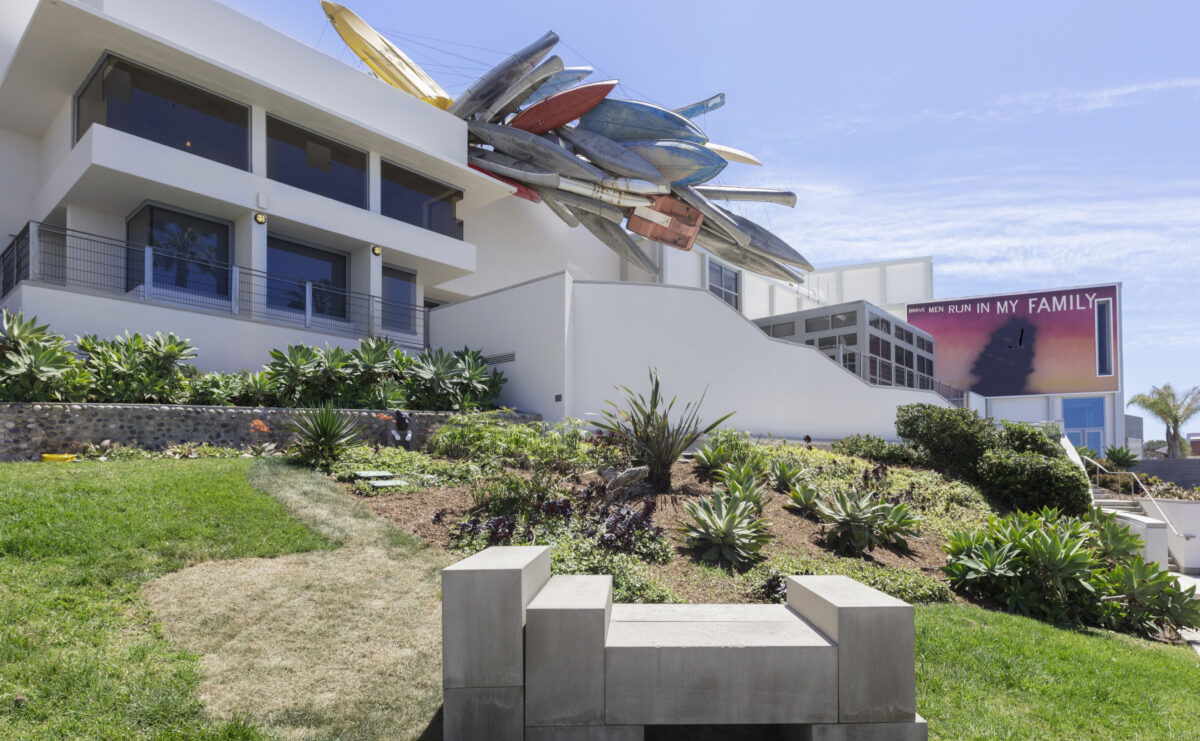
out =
column 86, row 263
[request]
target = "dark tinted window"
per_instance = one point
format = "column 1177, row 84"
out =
column 323, row 166
column 399, row 300
column 417, row 200
column 723, row 282
column 292, row 266
column 845, row 319
column 1104, row 354
column 816, row 324
column 135, row 100
column 190, row 254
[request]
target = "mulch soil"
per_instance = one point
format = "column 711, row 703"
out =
column 432, row 512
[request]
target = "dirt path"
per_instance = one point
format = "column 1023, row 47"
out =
column 343, row 643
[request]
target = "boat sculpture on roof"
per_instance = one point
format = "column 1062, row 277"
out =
column 624, row 166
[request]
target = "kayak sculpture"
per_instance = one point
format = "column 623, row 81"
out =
column 613, row 166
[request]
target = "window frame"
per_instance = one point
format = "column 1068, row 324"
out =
column 168, row 290
column 385, row 163
column 344, row 291
column 737, row 274
column 366, row 171
column 1108, row 338
column 109, row 54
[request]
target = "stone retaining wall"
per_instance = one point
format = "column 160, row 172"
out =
column 28, row 430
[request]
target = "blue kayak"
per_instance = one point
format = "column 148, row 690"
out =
column 680, row 162
column 634, row 120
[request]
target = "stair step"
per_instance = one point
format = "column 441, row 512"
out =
column 373, row 474
column 388, row 484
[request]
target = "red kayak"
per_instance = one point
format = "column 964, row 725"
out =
column 669, row 221
column 523, row 191
column 562, row 108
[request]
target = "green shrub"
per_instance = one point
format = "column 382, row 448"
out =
column 1028, row 481
column 213, row 389
column 132, row 369
column 1123, row 458
column 653, row 438
column 492, row 442
column 859, row 522
column 632, row 581
column 35, row 364
column 745, row 474
column 729, row 528
column 421, row 471
column 1066, row 569
column 946, row 439
column 802, row 499
column 453, row 382
column 874, row 448
column 1023, row 437
column 737, row 491
column 713, row 457
column 1085, row 451
column 767, row 582
column 322, row 434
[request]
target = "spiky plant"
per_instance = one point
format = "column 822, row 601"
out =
column 784, row 472
column 730, row 528
column 712, row 457
column 322, row 434
column 802, row 499
column 745, row 473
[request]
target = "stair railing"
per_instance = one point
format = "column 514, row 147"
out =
column 1135, row 481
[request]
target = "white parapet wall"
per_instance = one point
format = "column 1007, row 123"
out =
column 1183, row 541
column 575, row 342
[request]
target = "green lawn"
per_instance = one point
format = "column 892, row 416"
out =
column 990, row 675
column 80, row 654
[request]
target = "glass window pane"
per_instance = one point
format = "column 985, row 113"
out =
column 784, row 329
column 1095, row 439
column 826, row 342
column 293, row 265
column 816, row 324
column 190, row 254
column 399, row 300
column 845, row 319
column 1104, row 354
column 1076, row 437
column 1083, row 412
column 316, row 164
column 139, row 101
column 849, row 340
column 413, row 199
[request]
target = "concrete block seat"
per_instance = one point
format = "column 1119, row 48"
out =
column 835, row 662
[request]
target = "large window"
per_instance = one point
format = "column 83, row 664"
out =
column 189, row 254
column 316, row 164
column 139, row 101
column 417, row 200
column 293, row 266
column 1083, row 420
column 400, row 300
column 724, row 282
column 1104, row 335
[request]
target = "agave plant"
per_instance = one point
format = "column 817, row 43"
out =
column 853, row 521
column 729, row 527
column 785, row 472
column 745, row 473
column 712, row 457
column 322, row 434
column 652, row 436
column 1123, row 458
column 741, row 491
column 802, row 498
column 897, row 524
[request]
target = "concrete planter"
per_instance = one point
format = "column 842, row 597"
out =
column 1185, row 516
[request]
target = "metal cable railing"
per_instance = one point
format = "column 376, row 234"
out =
column 1134, row 480
column 194, row 280
column 879, row 371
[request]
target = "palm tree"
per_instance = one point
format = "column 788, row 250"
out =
column 1174, row 410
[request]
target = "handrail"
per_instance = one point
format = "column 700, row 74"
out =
column 1134, row 478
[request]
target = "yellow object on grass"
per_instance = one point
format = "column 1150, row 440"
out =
column 383, row 57
column 57, row 457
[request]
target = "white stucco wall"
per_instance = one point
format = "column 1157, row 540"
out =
column 19, row 168
column 1185, row 516
column 530, row 320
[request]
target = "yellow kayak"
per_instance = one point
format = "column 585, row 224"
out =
column 392, row 65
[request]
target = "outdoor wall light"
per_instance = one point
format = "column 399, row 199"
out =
column 260, row 218
column 376, row 250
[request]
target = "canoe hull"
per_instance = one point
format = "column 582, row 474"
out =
column 617, row 240
column 635, row 120
column 729, row 154
column 487, row 89
column 738, row 193
column 612, row 156
column 534, row 149
column 668, row 221
column 768, row 245
column 562, row 108
column 523, row 191
column 680, row 162
column 502, row 164
column 515, row 96
column 708, row 105
column 729, row 252
column 559, row 81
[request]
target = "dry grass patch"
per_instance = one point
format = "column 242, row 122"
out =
column 342, row 644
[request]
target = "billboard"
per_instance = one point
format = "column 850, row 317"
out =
column 1047, row 342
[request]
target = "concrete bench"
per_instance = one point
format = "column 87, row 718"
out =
column 836, row 662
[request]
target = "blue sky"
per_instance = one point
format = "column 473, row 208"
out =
column 1024, row 145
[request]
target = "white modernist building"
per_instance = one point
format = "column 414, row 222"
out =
column 172, row 165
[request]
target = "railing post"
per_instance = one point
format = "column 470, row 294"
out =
column 35, row 262
column 235, row 293
column 147, row 273
column 308, row 306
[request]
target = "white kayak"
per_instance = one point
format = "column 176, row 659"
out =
column 740, row 193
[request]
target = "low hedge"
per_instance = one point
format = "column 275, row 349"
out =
column 874, row 448
column 946, row 439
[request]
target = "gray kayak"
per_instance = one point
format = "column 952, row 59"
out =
column 559, row 210
column 714, row 217
column 532, row 148
column 612, row 156
column 502, row 164
column 583, row 203
column 512, row 98
column 487, row 89
column 768, row 245
column 707, row 105
column 559, row 82
column 723, row 249
column 740, row 193
column 616, row 239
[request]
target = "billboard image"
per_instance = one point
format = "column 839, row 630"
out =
column 1062, row 341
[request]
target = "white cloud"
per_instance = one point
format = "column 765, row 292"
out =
column 1084, row 101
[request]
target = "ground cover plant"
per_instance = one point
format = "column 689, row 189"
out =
column 79, row 657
